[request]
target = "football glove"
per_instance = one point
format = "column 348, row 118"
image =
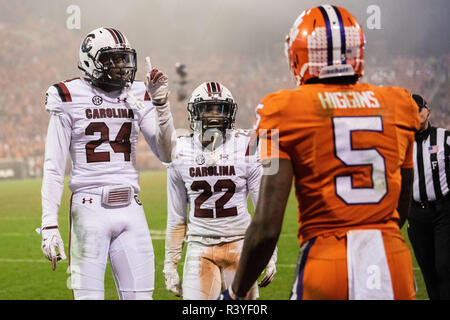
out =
column 271, row 269
column 52, row 245
column 172, row 280
column 157, row 84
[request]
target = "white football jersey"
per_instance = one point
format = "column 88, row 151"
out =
column 101, row 131
column 215, row 184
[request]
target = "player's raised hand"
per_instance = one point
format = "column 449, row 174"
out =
column 52, row 245
column 157, row 84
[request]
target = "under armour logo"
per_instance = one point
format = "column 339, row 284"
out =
column 85, row 200
column 123, row 100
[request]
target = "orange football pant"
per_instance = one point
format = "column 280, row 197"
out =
column 322, row 269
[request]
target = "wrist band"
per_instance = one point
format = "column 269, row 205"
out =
column 50, row 227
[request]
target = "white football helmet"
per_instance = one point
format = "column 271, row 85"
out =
column 211, row 105
column 108, row 59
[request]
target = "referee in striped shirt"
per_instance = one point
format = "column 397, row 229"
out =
column 429, row 217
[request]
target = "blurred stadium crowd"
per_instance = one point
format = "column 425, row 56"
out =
column 44, row 54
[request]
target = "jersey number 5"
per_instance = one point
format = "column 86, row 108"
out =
column 121, row 143
column 343, row 127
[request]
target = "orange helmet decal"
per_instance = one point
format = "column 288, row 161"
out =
column 325, row 41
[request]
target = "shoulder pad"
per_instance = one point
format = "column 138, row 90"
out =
column 184, row 134
column 183, row 142
column 139, row 90
column 184, row 139
column 166, row 164
column 244, row 132
column 63, row 92
column 280, row 97
column 53, row 100
column 60, row 93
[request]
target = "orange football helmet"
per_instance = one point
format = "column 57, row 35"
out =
column 324, row 42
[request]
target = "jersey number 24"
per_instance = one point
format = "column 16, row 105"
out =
column 121, row 144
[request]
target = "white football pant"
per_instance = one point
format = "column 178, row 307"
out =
column 210, row 269
column 120, row 233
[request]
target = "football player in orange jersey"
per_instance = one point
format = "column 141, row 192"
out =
column 348, row 147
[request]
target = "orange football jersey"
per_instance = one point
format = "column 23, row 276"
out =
column 347, row 144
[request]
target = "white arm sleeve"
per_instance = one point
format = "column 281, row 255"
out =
column 255, row 172
column 56, row 150
column 159, row 132
column 176, row 217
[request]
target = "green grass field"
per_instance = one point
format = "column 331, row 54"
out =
column 26, row 275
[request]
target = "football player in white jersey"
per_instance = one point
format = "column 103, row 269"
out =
column 213, row 172
column 97, row 118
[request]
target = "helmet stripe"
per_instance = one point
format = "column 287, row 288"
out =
column 123, row 36
column 213, row 87
column 341, row 25
column 113, row 35
column 336, row 34
column 329, row 36
column 219, row 91
column 119, row 36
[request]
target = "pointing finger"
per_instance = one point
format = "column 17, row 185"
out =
column 148, row 64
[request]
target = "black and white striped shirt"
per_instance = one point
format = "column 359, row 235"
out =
column 431, row 164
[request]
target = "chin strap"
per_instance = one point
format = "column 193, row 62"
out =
column 214, row 156
column 214, row 139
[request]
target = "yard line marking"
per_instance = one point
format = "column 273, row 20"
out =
column 286, row 265
column 24, row 260
column 13, row 260
column 18, row 234
column 33, row 233
column 158, row 232
column 16, row 218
